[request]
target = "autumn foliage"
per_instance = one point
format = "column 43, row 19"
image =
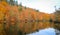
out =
column 18, row 18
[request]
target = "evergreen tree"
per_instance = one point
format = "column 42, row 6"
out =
column 16, row 3
column 11, row 2
column 57, row 14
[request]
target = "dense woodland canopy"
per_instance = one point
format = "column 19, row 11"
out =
column 16, row 18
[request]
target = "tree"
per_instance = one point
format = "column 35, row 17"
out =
column 16, row 3
column 37, row 10
column 57, row 15
column 2, row 0
column 20, row 7
column 11, row 2
column 20, row 4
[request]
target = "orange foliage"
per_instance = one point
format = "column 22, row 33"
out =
column 12, row 15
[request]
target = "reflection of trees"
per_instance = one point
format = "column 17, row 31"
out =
column 50, row 20
column 57, row 32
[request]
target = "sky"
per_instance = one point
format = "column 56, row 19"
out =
column 48, row 31
column 46, row 6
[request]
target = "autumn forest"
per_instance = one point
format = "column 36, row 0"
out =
column 20, row 20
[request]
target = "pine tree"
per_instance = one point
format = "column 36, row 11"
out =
column 11, row 2
column 57, row 14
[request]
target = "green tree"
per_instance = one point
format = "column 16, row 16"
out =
column 20, row 4
column 16, row 3
column 37, row 10
column 20, row 7
column 12, row 2
column 57, row 15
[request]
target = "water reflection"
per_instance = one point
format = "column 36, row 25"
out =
column 33, row 28
column 47, row 31
column 46, row 28
column 30, row 27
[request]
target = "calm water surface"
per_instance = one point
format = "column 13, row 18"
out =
column 47, row 31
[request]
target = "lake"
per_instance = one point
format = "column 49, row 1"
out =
column 47, row 31
column 33, row 28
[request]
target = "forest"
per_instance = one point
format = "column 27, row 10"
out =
column 17, row 19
